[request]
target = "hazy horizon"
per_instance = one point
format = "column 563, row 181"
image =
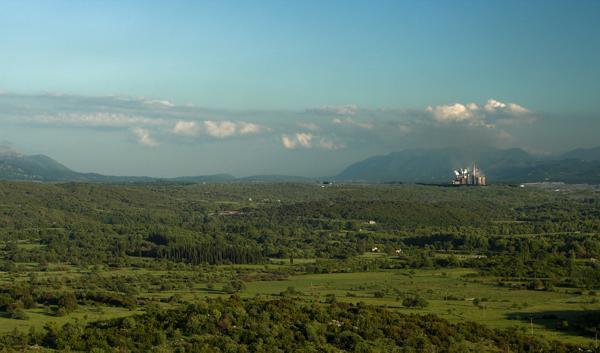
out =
column 197, row 88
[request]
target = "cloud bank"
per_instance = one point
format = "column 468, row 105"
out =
column 487, row 114
column 158, row 123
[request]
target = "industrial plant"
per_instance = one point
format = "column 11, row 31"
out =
column 473, row 177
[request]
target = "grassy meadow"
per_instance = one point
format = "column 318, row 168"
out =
column 454, row 294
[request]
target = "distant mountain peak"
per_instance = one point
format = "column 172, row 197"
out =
column 18, row 166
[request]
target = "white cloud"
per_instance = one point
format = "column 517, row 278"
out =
column 329, row 128
column 185, row 128
column 494, row 106
column 300, row 139
column 288, row 142
column 96, row 120
column 143, row 136
column 517, row 109
column 160, row 103
column 248, row 128
column 454, row 112
column 492, row 112
column 304, row 139
column 472, row 106
column 352, row 122
column 220, row 129
column 308, row 140
column 329, row 144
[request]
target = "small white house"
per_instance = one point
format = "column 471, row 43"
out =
column 372, row 222
column 398, row 251
column 375, row 249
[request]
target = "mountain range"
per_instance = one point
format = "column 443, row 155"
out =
column 412, row 165
column 499, row 165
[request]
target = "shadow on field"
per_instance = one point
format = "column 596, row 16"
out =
column 212, row 290
column 573, row 322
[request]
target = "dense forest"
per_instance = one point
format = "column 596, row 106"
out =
column 535, row 233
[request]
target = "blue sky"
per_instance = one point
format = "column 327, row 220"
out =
column 293, row 87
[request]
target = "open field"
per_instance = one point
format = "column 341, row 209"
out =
column 454, row 294
column 38, row 318
column 449, row 294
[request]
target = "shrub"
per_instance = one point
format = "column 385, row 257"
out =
column 414, row 301
column 15, row 311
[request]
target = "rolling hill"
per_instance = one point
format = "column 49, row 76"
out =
column 18, row 166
